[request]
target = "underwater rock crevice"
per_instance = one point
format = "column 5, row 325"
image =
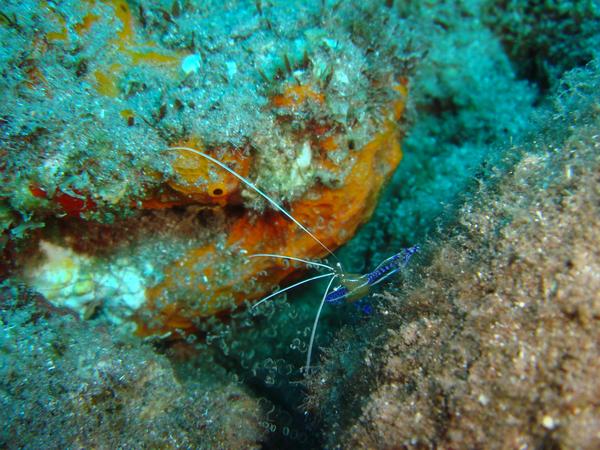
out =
column 526, row 324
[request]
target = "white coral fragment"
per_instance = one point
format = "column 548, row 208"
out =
column 72, row 280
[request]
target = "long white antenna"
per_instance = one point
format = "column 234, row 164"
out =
column 314, row 329
column 256, row 189
column 305, row 261
column 299, row 283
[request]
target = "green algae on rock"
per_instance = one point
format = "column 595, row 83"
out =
column 67, row 383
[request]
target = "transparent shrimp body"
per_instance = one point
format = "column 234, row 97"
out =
column 351, row 287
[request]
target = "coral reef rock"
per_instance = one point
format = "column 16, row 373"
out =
column 496, row 344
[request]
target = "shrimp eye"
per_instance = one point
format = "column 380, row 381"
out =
column 217, row 192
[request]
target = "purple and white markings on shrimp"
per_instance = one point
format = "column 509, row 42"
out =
column 353, row 288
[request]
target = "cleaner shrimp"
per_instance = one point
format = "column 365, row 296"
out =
column 350, row 287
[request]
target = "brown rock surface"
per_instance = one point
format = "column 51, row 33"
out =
column 497, row 344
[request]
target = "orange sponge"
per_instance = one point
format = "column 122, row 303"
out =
column 218, row 280
column 204, row 183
